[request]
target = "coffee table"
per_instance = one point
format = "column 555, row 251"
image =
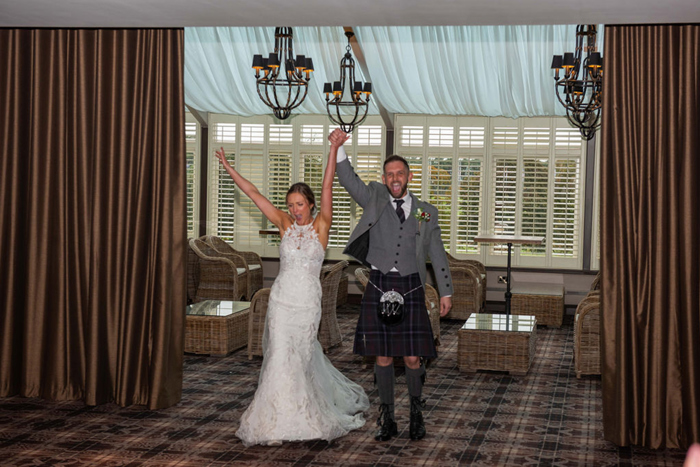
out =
column 216, row 327
column 497, row 342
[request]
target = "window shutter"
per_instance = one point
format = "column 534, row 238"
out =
column 470, row 205
column 534, row 206
column 412, row 136
column 279, row 179
column 222, row 190
column 416, row 184
column 191, row 151
column 440, row 194
column 504, row 196
column 249, row 219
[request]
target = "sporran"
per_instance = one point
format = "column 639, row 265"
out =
column 390, row 310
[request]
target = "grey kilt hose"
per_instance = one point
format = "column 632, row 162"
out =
column 413, row 337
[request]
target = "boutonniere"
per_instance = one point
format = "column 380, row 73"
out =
column 421, row 215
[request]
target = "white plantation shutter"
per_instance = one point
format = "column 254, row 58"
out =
column 222, row 190
column 249, row 219
column 566, row 209
column 534, row 207
column 440, row 194
column 504, row 195
column 469, row 205
column 342, row 216
column 191, row 154
column 507, row 176
column 311, row 173
column 223, row 214
column 279, row 179
column 281, row 135
column 412, row 136
column 313, row 135
column 416, row 184
column 369, row 135
column 441, row 136
column 252, row 133
column 469, row 209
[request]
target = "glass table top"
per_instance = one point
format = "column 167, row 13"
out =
column 496, row 322
column 216, row 308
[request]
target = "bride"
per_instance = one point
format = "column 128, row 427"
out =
column 300, row 395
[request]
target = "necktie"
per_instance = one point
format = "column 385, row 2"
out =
column 399, row 210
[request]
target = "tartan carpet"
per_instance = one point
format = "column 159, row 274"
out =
column 548, row 417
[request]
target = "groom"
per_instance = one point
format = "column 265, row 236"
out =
column 395, row 235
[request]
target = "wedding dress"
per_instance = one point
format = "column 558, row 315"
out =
column 300, row 394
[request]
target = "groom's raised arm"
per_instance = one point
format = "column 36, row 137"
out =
column 347, row 177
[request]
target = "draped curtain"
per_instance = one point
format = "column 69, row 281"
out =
column 92, row 215
column 437, row 70
column 650, row 235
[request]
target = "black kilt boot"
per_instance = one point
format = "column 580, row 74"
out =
column 416, row 427
column 384, row 379
column 387, row 425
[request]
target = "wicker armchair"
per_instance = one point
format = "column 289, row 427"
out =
column 192, row 273
column 596, row 282
column 432, row 302
column 251, row 270
column 587, row 335
column 328, row 330
column 256, row 322
column 218, row 276
column 480, row 268
column 467, row 290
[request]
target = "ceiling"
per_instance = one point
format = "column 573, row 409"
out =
column 177, row 13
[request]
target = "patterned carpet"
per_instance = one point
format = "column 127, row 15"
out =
column 548, row 417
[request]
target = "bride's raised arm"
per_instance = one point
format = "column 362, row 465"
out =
column 278, row 217
column 337, row 139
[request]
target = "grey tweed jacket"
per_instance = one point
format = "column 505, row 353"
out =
column 378, row 214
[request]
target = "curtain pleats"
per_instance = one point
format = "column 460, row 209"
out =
column 650, row 230
column 93, row 215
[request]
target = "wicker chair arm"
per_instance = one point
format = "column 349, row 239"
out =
column 466, row 281
column 237, row 259
column 250, row 257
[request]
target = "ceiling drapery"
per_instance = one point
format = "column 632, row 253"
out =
column 435, row 70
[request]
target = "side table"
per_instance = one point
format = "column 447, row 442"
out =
column 497, row 342
column 216, row 327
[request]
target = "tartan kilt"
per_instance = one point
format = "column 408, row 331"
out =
column 411, row 338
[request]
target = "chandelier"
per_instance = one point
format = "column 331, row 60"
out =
column 580, row 88
column 351, row 112
column 283, row 93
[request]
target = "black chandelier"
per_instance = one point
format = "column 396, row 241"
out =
column 341, row 111
column 580, row 89
column 283, row 93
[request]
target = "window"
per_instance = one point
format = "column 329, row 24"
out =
column 273, row 156
column 192, row 159
column 499, row 176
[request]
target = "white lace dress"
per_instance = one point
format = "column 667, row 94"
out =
column 300, row 394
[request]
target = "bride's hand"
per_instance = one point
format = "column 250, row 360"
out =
column 221, row 155
column 337, row 138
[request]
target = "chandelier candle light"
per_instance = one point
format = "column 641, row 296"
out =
column 283, row 93
column 580, row 88
column 349, row 113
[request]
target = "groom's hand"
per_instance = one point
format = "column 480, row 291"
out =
column 445, row 305
column 337, row 138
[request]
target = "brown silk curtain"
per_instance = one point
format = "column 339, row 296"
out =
column 650, row 213
column 92, row 215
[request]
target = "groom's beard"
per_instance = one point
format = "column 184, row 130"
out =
column 404, row 190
